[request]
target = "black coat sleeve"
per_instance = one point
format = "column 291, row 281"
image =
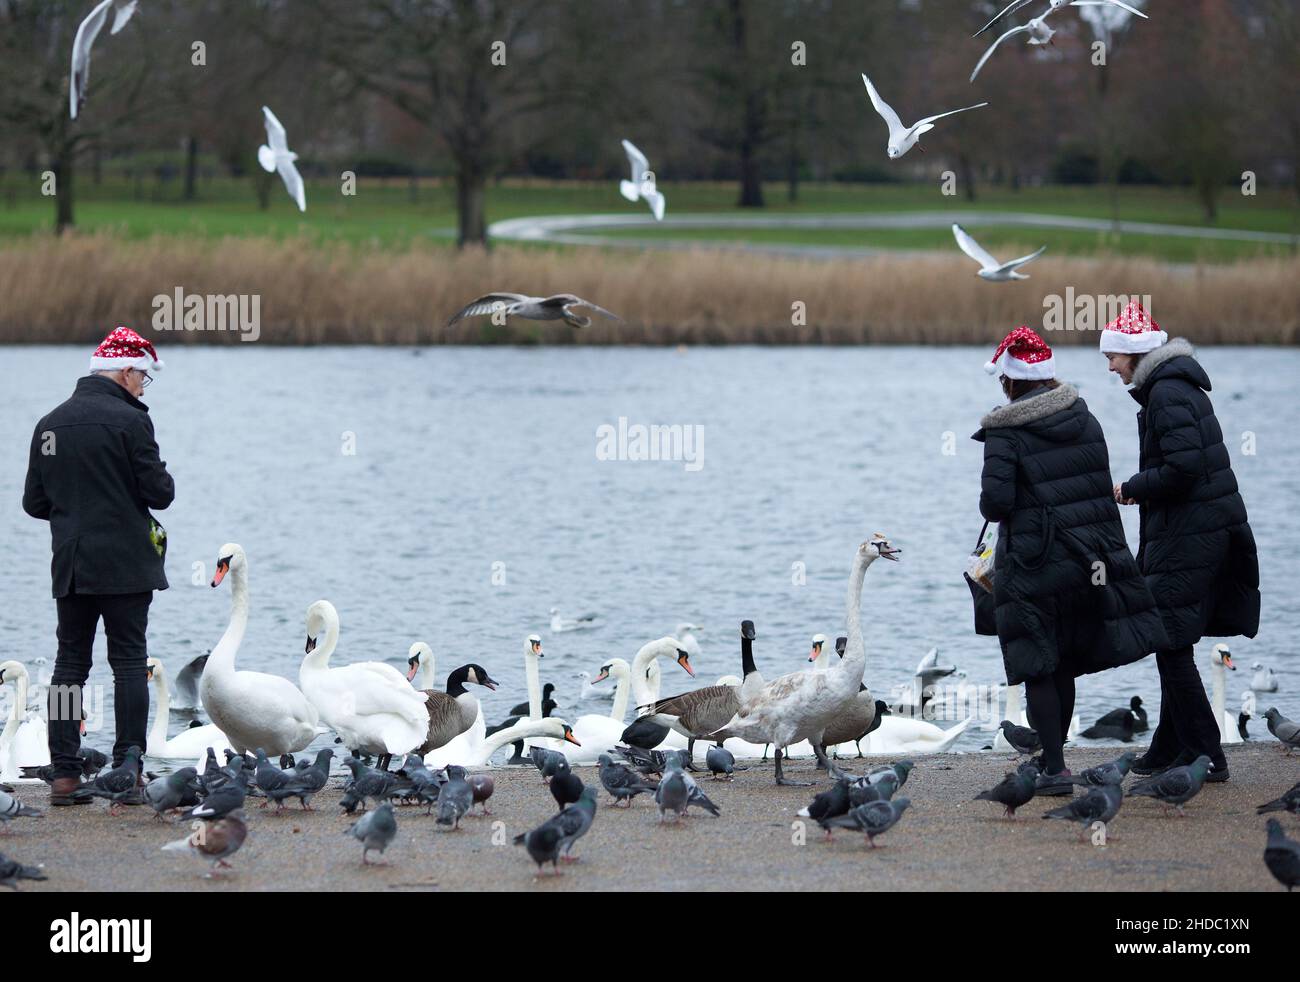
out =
column 998, row 481
column 1172, row 419
column 35, row 501
column 157, row 490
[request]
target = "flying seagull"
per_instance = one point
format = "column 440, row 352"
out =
column 558, row 307
column 903, row 138
column 81, row 44
column 1037, row 28
column 990, row 268
column 275, row 155
column 1015, row 5
column 642, row 185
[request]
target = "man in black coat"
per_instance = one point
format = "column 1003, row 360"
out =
column 1197, row 550
column 93, row 473
column 1070, row 600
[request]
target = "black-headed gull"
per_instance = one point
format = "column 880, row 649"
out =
column 81, row 45
column 903, row 138
column 990, row 268
column 1015, row 5
column 558, row 307
column 275, row 155
column 642, row 185
column 1038, row 29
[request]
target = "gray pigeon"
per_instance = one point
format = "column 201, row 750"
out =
column 1023, row 740
column 1100, row 804
column 900, row 770
column 455, row 798
column 1176, row 786
column 720, row 760
column 1112, row 772
column 1016, row 789
column 375, row 830
column 11, row 808
column 166, row 793
column 865, row 789
column 873, row 818
column 1281, row 856
column 1282, row 728
column 225, row 799
column 558, row 834
column 543, row 845
column 11, row 872
column 1289, row 802
column 546, row 761
column 217, row 840
column 119, row 785
column 368, row 783
column 274, row 782
column 677, row 791
column 311, row 777
column 829, row 804
column 621, row 781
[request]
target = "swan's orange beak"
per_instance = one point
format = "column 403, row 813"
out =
column 223, row 567
column 568, row 735
column 415, row 665
column 684, row 660
column 601, row 677
column 1227, row 660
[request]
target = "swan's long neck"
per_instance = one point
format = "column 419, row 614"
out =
column 17, row 712
column 533, row 674
column 223, row 655
column 428, row 680
column 319, row 657
column 1218, row 697
column 641, row 688
column 854, row 663
column 523, row 730
column 624, row 675
column 158, row 732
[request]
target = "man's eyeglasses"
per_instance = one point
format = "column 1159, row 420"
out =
column 145, row 378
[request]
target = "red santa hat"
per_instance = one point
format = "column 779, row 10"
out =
column 123, row 348
column 1023, row 355
column 1133, row 332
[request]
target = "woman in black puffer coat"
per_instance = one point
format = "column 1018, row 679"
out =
column 1070, row 599
column 1197, row 550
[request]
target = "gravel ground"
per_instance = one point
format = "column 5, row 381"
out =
column 944, row 842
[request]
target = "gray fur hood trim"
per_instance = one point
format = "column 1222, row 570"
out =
column 1035, row 407
column 1173, row 348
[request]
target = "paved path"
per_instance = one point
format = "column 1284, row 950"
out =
column 945, row 842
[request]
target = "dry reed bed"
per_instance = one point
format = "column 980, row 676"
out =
column 72, row 289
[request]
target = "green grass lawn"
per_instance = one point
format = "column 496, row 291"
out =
column 390, row 216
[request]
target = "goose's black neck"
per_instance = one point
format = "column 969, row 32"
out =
column 456, row 682
column 747, row 656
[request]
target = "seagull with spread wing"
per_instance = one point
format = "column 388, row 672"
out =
column 556, row 308
column 81, row 45
column 1015, row 5
column 275, row 155
column 903, row 138
column 642, row 186
column 990, row 268
column 1039, row 31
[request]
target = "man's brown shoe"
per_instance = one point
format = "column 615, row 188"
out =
column 61, row 792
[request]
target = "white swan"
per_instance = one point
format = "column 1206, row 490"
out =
column 1263, row 679
column 24, row 741
column 253, row 709
column 560, row 624
column 528, row 730
column 1016, row 713
column 187, row 744
column 369, row 704
column 819, row 655
column 799, row 706
column 598, row 733
column 1221, row 658
column 899, row 735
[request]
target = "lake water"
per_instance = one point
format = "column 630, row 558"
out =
column 396, row 482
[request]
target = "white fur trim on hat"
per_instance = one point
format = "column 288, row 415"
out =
column 1027, row 371
column 98, row 363
column 1123, row 343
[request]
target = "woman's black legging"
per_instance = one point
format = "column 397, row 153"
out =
column 1049, row 704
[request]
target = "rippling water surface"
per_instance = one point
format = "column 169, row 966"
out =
column 466, row 458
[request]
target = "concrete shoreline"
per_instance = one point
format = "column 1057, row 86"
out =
column 944, row 842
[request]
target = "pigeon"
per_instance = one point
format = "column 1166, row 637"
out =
column 481, row 786
column 568, row 827
column 1016, row 789
column 224, row 799
column 1037, row 28
column 1289, row 802
column 212, row 774
column 455, row 798
column 216, row 841
column 1112, row 772
column 829, row 804
column 1100, row 804
column 11, row 808
column 1282, row 728
column 374, row 830
column 311, row 777
column 275, row 155
column 1015, row 5
column 873, row 818
column 899, row 770
column 720, row 760
column 1023, row 740
column 566, row 787
column 273, row 782
column 547, row 762
column 621, row 781
column 642, row 185
column 1281, row 856
column 11, row 872
column 173, row 791
column 554, row 308
column 1176, row 786
column 85, row 39
column 368, row 783
column 903, row 138
column 677, row 791
column 864, row 790
column 118, row 784
column 645, row 761
column 92, row 762
column 990, row 269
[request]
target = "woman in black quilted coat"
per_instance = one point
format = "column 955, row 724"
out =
column 1197, row 549
column 1069, row 597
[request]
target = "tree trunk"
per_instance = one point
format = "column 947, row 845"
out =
column 967, row 175
column 191, row 166
column 63, row 211
column 471, row 213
